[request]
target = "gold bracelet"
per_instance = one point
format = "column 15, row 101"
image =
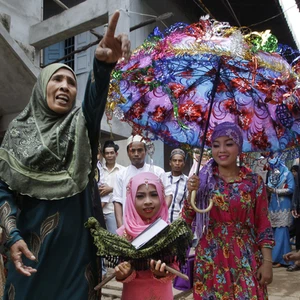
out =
column 269, row 260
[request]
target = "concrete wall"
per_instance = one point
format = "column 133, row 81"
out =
column 51, row 8
column 23, row 14
column 140, row 12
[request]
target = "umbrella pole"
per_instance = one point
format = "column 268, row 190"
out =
column 213, row 93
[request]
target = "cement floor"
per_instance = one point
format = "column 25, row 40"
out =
column 285, row 286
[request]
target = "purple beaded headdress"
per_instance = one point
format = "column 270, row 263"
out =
column 207, row 180
column 231, row 130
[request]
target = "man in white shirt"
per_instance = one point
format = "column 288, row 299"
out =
column 136, row 150
column 178, row 181
column 110, row 169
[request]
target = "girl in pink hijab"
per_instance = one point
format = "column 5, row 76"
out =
column 145, row 203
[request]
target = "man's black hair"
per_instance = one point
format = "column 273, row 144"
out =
column 110, row 144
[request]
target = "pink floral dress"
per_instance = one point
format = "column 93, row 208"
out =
column 228, row 255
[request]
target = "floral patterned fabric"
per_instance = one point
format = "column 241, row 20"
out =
column 228, row 255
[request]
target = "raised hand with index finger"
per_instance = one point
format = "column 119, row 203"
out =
column 112, row 48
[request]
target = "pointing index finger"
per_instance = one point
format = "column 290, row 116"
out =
column 113, row 24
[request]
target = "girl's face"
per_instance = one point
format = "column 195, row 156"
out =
column 225, row 151
column 147, row 202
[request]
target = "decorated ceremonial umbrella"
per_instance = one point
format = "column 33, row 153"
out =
column 179, row 84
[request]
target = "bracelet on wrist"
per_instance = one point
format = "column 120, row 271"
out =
column 269, row 260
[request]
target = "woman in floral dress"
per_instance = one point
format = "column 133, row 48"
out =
column 233, row 257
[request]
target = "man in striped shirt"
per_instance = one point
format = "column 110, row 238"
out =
column 178, row 182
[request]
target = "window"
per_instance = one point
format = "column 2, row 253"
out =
column 59, row 50
column 69, row 48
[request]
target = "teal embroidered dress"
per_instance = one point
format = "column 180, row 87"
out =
column 48, row 159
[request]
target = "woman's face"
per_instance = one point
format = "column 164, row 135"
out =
column 147, row 202
column 225, row 151
column 61, row 91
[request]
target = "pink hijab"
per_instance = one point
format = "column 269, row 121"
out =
column 133, row 223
